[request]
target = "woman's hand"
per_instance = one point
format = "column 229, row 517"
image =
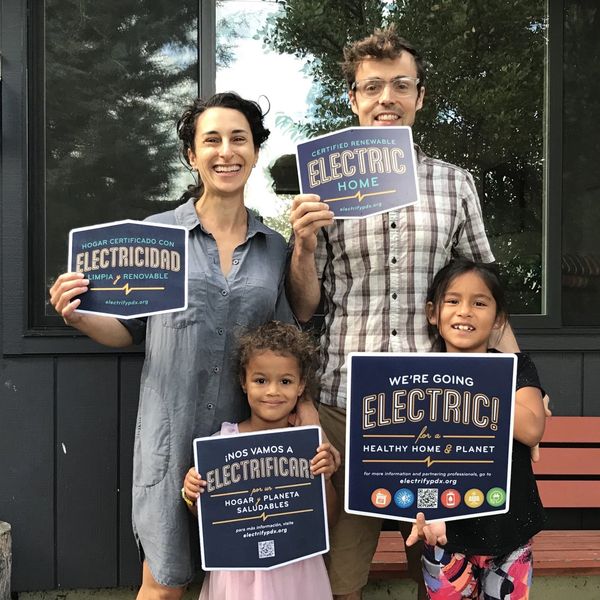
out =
column 63, row 296
column 104, row 330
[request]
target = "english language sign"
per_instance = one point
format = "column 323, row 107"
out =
column 262, row 507
column 134, row 268
column 429, row 432
column 360, row 171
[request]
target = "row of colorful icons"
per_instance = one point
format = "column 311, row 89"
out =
column 450, row 498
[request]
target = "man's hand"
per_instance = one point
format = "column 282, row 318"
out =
column 303, row 288
column 434, row 533
column 307, row 216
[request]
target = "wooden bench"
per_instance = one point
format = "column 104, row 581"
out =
column 568, row 476
column 568, row 472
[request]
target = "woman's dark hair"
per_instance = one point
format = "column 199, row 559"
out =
column 285, row 340
column 186, row 125
column 446, row 275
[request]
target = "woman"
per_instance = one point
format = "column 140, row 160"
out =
column 189, row 386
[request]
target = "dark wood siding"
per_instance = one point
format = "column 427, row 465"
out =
column 27, row 494
column 87, row 441
column 128, row 563
column 66, row 439
column 561, row 375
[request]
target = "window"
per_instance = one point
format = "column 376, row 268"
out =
column 109, row 83
column 276, row 81
column 581, row 183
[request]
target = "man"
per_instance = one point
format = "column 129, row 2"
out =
column 374, row 272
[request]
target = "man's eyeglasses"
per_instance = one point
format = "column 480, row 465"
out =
column 373, row 88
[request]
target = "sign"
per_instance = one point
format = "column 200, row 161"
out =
column 360, row 171
column 262, row 507
column 135, row 268
column 429, row 433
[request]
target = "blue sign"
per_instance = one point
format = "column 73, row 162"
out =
column 134, row 268
column 262, row 507
column 429, row 433
column 360, row 171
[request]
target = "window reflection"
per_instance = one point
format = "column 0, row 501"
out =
column 484, row 103
column 117, row 75
column 278, row 82
column 581, row 183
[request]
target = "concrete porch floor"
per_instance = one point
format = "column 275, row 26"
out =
column 544, row 588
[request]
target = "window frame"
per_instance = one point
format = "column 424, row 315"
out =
column 550, row 318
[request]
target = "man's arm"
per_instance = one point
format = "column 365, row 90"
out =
column 308, row 215
column 307, row 414
column 505, row 340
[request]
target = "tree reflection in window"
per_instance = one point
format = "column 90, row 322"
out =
column 117, row 75
column 484, row 104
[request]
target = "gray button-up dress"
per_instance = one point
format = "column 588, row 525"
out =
column 189, row 382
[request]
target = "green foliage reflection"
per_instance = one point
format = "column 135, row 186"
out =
column 484, row 106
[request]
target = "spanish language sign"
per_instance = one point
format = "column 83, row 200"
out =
column 360, row 171
column 429, row 433
column 262, row 507
column 134, row 268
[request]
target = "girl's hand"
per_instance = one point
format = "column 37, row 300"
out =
column 193, row 485
column 434, row 533
column 324, row 461
column 535, row 451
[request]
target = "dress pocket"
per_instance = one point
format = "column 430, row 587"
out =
column 196, row 309
column 152, row 448
column 256, row 304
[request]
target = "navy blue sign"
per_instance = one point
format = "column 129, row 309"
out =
column 262, row 507
column 429, row 433
column 360, row 171
column 134, row 268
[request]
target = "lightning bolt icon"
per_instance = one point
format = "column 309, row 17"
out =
column 359, row 196
column 125, row 288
